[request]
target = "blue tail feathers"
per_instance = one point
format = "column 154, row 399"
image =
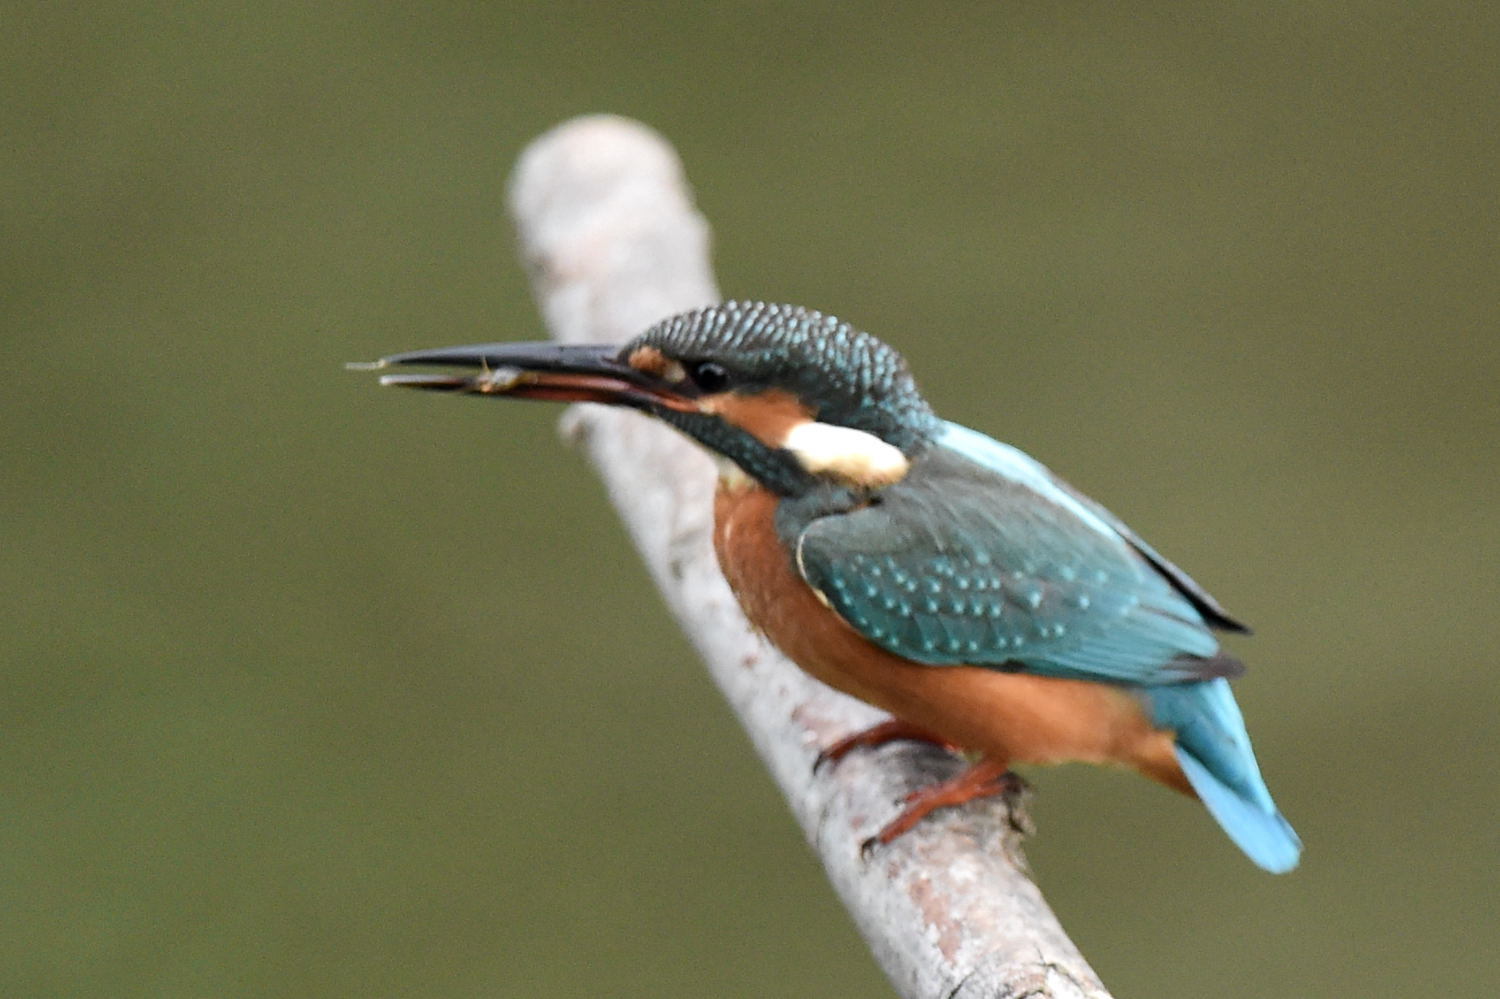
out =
column 1265, row 836
column 1214, row 751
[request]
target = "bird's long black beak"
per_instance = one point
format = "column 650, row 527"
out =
column 556, row 372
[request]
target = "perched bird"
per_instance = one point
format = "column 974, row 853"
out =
column 921, row 566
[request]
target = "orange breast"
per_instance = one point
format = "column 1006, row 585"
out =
column 1009, row 717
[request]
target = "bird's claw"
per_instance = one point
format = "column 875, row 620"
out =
column 890, row 730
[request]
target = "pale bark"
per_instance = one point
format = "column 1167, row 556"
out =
column 614, row 243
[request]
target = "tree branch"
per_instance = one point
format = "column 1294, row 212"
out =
column 614, row 243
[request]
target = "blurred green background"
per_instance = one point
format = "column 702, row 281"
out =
column 317, row 690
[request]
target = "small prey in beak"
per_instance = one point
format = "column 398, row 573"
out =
column 549, row 371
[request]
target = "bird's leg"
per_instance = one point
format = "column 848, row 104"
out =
column 984, row 779
column 889, row 730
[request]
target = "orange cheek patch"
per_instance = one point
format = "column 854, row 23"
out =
column 654, row 362
column 768, row 416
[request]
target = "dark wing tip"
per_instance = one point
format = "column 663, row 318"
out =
column 1211, row 667
column 1216, row 618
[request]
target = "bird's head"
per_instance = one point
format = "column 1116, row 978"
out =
column 789, row 396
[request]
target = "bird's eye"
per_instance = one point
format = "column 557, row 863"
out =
column 709, row 376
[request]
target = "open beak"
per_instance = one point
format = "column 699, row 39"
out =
column 556, row 372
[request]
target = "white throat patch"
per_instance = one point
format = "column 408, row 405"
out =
column 853, row 455
column 731, row 476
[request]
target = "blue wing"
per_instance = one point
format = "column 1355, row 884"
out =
column 980, row 557
column 1017, row 463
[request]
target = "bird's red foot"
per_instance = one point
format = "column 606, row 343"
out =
column 889, row 730
column 984, row 779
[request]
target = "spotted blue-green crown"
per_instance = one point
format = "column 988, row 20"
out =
column 845, row 375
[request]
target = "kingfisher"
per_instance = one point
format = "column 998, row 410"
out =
column 923, row 567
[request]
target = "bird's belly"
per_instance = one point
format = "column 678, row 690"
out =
column 1010, row 717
